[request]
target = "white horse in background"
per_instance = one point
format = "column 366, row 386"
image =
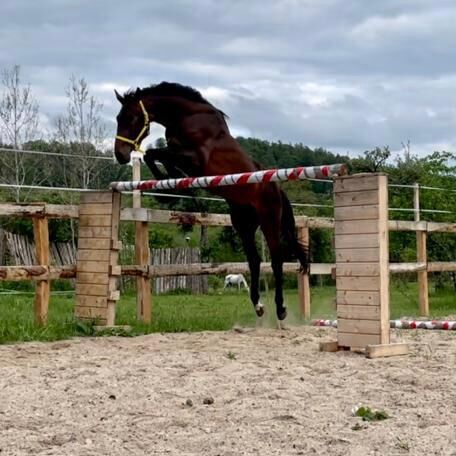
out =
column 235, row 279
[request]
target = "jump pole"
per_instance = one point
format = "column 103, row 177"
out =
column 362, row 272
column 97, row 268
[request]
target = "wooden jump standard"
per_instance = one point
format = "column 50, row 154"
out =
column 361, row 241
column 362, row 266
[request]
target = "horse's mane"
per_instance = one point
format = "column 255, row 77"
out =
column 169, row 89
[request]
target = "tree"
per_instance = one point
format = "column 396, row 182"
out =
column 83, row 128
column 18, row 124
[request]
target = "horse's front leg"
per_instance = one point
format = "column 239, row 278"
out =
column 161, row 155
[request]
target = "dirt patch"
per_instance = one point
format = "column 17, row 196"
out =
column 258, row 391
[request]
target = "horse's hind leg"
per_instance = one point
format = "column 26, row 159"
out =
column 245, row 222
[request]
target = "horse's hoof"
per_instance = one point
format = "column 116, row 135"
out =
column 281, row 326
column 259, row 309
column 282, row 315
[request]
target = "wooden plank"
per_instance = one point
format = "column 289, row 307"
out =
column 93, row 278
column 91, row 312
column 87, row 255
column 436, row 266
column 369, row 197
column 358, row 312
column 385, row 350
column 91, row 289
column 94, row 232
column 363, row 298
column 356, row 213
column 95, row 220
column 43, row 287
column 355, row 183
column 367, row 255
column 93, row 266
column 96, row 197
column 383, row 258
column 357, row 269
column 357, row 340
column 357, row 227
column 358, row 326
column 92, row 301
column 349, row 241
column 358, row 283
column 94, row 243
column 303, row 279
column 331, row 346
column 96, row 209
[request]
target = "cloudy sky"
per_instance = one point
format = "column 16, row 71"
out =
column 347, row 75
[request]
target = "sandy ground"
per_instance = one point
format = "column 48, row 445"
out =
column 279, row 396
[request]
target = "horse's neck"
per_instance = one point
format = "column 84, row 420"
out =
column 167, row 111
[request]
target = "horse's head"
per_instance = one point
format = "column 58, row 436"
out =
column 132, row 127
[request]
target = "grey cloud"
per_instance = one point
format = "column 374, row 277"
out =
column 342, row 74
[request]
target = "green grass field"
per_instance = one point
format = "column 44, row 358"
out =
column 183, row 312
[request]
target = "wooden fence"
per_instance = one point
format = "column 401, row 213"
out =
column 43, row 271
column 19, row 250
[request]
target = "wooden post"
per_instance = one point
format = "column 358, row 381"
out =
column 362, row 266
column 421, row 257
column 303, row 279
column 43, row 287
column 142, row 254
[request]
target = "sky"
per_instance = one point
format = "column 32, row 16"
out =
column 346, row 75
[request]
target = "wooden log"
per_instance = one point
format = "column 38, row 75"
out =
column 37, row 273
column 43, row 287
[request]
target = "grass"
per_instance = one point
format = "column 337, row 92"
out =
column 183, row 312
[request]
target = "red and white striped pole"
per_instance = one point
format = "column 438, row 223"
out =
column 254, row 177
column 444, row 325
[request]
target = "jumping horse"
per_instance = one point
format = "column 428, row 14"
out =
column 199, row 143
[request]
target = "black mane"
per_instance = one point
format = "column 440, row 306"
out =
column 168, row 89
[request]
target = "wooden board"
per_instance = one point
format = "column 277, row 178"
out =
column 360, row 298
column 99, row 220
column 357, row 198
column 356, row 241
column 91, row 289
column 92, row 301
column 356, row 227
column 94, row 255
column 92, row 313
column 356, row 213
column 358, row 312
column 93, row 278
column 94, row 232
column 386, row 350
column 355, row 183
column 96, row 197
column 368, row 255
column 357, row 269
column 358, row 283
column 94, row 243
column 93, row 266
column 357, row 340
column 358, row 326
column 95, row 209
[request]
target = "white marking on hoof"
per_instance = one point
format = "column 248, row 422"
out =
column 282, row 326
column 259, row 308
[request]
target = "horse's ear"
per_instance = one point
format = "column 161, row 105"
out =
column 119, row 97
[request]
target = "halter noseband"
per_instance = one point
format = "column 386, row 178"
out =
column 137, row 141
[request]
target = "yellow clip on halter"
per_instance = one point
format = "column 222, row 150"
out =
column 137, row 142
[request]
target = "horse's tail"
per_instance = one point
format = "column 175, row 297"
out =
column 289, row 234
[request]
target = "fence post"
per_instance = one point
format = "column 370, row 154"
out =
column 303, row 279
column 43, row 287
column 143, row 288
column 421, row 256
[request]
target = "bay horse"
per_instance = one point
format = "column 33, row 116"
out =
column 199, row 143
